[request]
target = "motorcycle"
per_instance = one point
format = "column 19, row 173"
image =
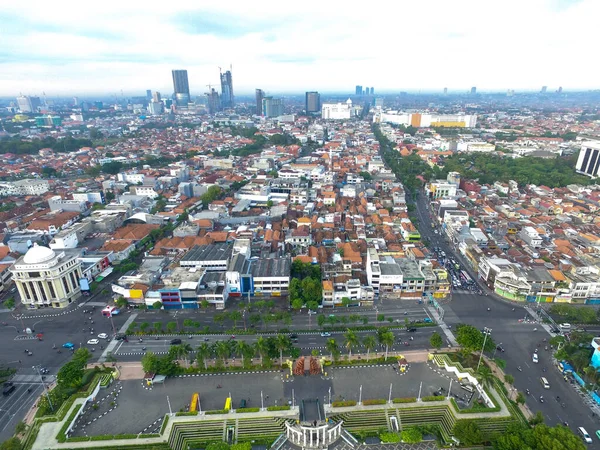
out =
column 527, row 391
column 541, row 399
column 519, row 369
column 219, row 386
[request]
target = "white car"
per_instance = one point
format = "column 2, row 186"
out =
column 535, row 358
column 565, row 326
column 103, row 335
column 93, row 341
column 325, row 334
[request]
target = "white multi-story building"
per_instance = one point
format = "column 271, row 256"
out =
column 338, row 111
column 588, row 162
column 47, row 278
column 531, row 237
column 440, row 188
column 132, row 178
column 425, row 119
column 24, row 187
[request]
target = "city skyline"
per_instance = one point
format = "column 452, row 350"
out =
column 97, row 48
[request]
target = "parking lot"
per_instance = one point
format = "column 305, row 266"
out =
column 138, row 409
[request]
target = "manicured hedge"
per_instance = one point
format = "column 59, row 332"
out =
column 217, row 411
column 374, row 401
column 247, row 410
column 62, row 436
column 433, row 398
column 164, row 424
column 187, row 413
column 278, row 408
column 340, row 403
column 405, row 400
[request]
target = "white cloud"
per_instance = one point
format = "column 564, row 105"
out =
column 102, row 47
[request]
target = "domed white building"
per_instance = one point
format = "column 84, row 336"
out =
column 47, row 278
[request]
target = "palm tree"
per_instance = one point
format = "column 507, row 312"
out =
column 332, row 347
column 261, row 347
column 222, row 350
column 350, row 341
column 590, row 373
column 282, row 342
column 203, row 352
column 369, row 342
column 387, row 339
column 241, row 349
column 235, row 316
column 184, row 351
column 485, row 375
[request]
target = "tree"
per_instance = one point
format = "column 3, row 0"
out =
column 485, row 375
column 350, row 341
column 150, row 362
column 9, row 303
column 171, row 327
column 121, row 302
column 144, row 326
column 282, row 342
column 157, row 305
column 242, row 349
column 157, row 327
column 509, row 378
column 387, row 338
column 235, row 316
column 311, row 290
column 184, row 350
column 321, row 319
column 467, row 432
column 369, row 342
column 537, row 419
column 222, row 350
column 411, row 435
column 188, row 323
column 520, row 398
column 20, row 427
column 203, row 352
column 70, row 375
column 11, row 444
column 541, row 437
column 261, row 347
column 436, row 340
column 297, row 304
column 312, row 305
column 471, row 339
column 332, row 347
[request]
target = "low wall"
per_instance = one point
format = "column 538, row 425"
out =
column 91, row 397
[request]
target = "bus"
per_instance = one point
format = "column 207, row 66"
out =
column 194, row 402
column 466, row 277
column 110, row 311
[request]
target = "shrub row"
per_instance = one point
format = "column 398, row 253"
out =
column 433, row 398
column 164, row 424
column 374, row 401
column 62, row 436
column 247, row 410
column 405, row 400
column 278, row 408
column 217, row 411
column 343, row 403
column 187, row 413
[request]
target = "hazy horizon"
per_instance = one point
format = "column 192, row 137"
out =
column 103, row 48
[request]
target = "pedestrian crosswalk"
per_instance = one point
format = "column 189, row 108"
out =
column 465, row 292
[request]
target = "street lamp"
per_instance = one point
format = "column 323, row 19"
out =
column 486, row 332
column 37, row 368
column 494, row 355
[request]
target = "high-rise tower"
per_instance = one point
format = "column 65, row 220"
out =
column 226, row 90
column 260, row 94
column 312, row 102
column 181, row 87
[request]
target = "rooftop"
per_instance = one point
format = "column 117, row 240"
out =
column 212, row 252
column 271, row 267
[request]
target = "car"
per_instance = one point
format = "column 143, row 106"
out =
column 411, row 330
column 120, row 337
column 598, row 434
column 535, row 358
column 68, row 345
column 103, row 335
column 8, row 388
column 584, row 435
column 565, row 326
column 325, row 334
column 427, row 320
column 93, row 341
column 499, row 348
column 293, row 336
column 175, row 341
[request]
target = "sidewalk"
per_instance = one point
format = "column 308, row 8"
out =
column 113, row 343
column 449, row 335
column 499, row 373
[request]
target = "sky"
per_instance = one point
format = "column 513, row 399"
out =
column 66, row 47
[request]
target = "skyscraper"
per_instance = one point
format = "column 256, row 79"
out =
column 226, row 90
column 366, row 92
column 372, row 91
column 260, row 94
column 28, row 104
column 312, row 102
column 358, row 90
column 272, row 107
column 213, row 101
column 181, row 87
column 544, row 89
column 148, row 94
column 474, row 90
column 156, row 96
column 445, row 91
column 588, row 162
